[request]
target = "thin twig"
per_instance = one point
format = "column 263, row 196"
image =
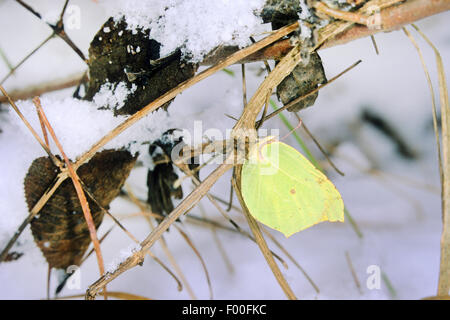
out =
column 317, row 143
column 6, row 60
column 58, row 28
column 63, row 11
column 433, row 102
column 219, row 244
column 352, row 270
column 199, row 256
column 444, row 270
column 112, row 294
column 269, row 94
column 45, row 87
column 295, row 101
column 148, row 214
column 290, row 257
column 244, row 85
column 26, row 58
column 41, row 121
column 196, row 182
column 374, row 43
column 261, row 242
column 230, row 200
column 80, row 193
column 44, row 145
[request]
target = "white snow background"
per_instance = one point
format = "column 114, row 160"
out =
column 400, row 220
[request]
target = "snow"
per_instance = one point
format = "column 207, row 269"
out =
column 305, row 14
column 197, row 26
column 113, row 96
column 401, row 223
column 306, row 32
column 79, row 124
column 124, row 255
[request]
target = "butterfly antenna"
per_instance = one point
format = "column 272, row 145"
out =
column 230, row 202
column 300, row 122
column 231, row 117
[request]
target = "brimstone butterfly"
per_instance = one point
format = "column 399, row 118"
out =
column 284, row 191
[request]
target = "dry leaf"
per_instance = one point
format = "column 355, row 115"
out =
column 60, row 230
column 117, row 55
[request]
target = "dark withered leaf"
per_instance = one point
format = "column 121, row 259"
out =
column 281, row 12
column 160, row 188
column 309, row 73
column 116, row 55
column 60, row 230
column 302, row 80
column 161, row 179
column 13, row 256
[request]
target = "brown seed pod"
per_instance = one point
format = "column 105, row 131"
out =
column 60, row 230
column 309, row 73
column 116, row 54
column 303, row 79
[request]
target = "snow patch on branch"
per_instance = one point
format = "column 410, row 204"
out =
column 79, row 124
column 195, row 26
column 123, row 256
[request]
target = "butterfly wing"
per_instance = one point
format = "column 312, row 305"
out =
column 284, row 191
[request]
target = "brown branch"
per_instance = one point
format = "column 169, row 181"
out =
column 444, row 269
column 58, row 29
column 392, row 18
column 33, row 132
column 246, row 123
column 290, row 257
column 54, row 85
column 78, row 188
